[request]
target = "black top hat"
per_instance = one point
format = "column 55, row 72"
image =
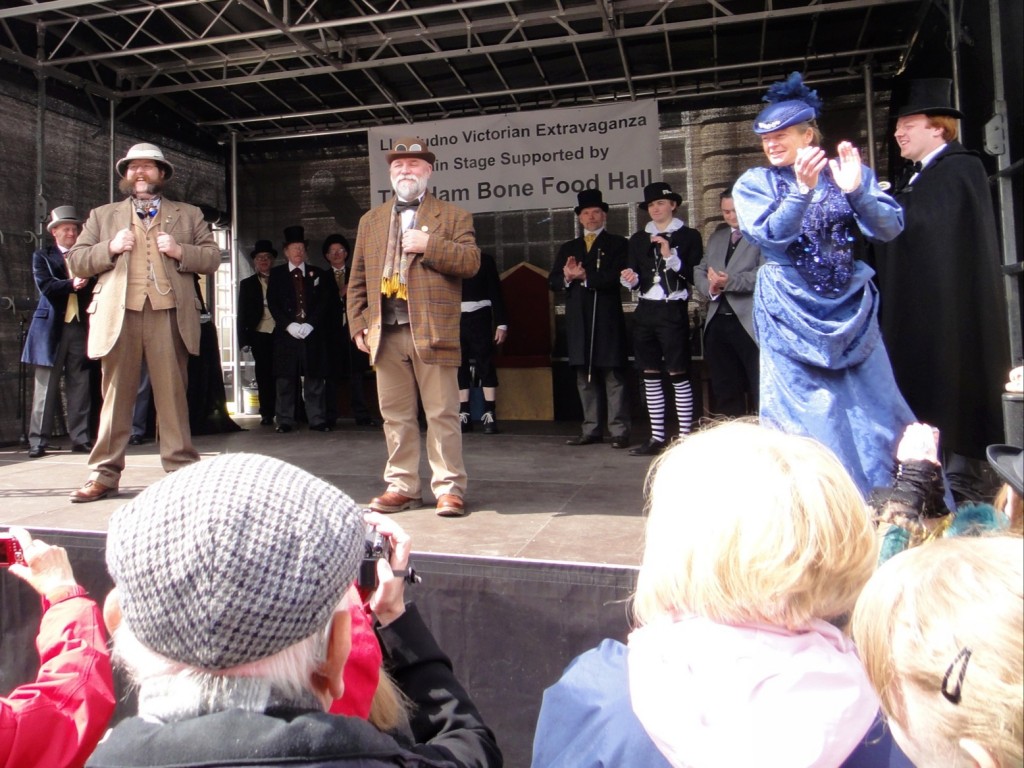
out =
column 331, row 240
column 930, row 96
column 659, row 191
column 263, row 246
column 1008, row 462
column 294, row 235
column 590, row 198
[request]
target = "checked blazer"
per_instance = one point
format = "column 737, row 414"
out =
column 435, row 278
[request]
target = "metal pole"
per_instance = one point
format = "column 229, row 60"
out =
column 235, row 352
column 110, row 145
column 954, row 55
column 869, row 114
column 997, row 143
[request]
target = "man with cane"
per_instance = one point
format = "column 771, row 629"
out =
column 587, row 269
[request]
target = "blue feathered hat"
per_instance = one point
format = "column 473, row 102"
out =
column 789, row 102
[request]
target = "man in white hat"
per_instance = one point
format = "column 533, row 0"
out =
column 56, row 338
column 146, row 251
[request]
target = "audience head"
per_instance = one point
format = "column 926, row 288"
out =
column 747, row 524
column 237, row 566
column 939, row 628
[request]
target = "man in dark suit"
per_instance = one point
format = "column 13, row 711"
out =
column 943, row 303
column 256, row 326
column 726, row 276
column 56, row 338
column 587, row 270
column 344, row 359
column 404, row 298
column 298, row 299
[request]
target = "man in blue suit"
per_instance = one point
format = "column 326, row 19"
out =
column 56, row 338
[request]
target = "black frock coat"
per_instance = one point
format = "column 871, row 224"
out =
column 943, row 306
column 301, row 357
column 604, row 262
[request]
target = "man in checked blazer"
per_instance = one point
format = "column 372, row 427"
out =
column 145, row 252
column 404, row 305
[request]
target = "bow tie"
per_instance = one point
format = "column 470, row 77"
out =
column 916, row 167
column 401, row 205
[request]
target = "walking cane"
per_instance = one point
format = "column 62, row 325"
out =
column 593, row 323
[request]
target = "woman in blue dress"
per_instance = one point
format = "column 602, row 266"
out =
column 824, row 369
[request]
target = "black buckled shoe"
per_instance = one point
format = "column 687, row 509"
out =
column 651, row 448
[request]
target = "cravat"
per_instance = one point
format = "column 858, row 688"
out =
column 300, row 294
column 588, row 240
column 735, row 236
column 339, row 278
column 402, row 205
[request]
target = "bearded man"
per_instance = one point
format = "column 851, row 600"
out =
column 404, row 306
column 145, row 252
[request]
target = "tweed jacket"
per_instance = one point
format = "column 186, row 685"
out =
column 55, row 285
column 742, row 270
column 90, row 256
column 435, row 278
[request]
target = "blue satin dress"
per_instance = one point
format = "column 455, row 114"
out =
column 824, row 369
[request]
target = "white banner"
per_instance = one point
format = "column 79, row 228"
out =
column 524, row 160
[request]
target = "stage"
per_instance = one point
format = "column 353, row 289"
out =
column 530, row 495
column 540, row 570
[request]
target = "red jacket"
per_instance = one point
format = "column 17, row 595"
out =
column 57, row 720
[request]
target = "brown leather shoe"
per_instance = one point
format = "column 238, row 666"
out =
column 92, row 491
column 392, row 501
column 450, row 505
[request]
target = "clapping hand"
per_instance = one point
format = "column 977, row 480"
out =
column 847, row 170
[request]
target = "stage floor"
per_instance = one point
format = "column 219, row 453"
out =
column 530, row 495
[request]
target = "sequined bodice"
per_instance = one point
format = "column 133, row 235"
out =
column 823, row 252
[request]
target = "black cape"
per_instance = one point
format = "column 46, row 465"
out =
column 943, row 303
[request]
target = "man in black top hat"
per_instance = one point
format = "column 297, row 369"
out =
column 256, row 326
column 943, row 309
column 587, row 270
column 298, row 299
column 662, row 257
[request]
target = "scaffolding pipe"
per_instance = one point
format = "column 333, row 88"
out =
column 954, row 55
column 236, row 378
column 869, row 114
column 110, row 150
column 1004, row 189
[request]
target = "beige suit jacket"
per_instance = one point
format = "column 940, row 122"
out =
column 90, row 256
column 435, row 278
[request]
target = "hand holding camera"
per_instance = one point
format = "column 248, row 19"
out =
column 46, row 568
column 386, row 559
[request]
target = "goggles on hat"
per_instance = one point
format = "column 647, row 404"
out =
column 409, row 148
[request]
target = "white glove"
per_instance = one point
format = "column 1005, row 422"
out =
column 294, row 330
column 306, row 329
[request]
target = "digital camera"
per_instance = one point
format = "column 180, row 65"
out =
column 375, row 546
column 10, row 551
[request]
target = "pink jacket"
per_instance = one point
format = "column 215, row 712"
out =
column 58, row 719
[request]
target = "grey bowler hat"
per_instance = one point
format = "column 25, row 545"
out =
column 233, row 559
column 63, row 214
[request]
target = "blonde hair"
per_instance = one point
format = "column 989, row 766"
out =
column 747, row 524
column 948, row 124
column 919, row 613
column 390, row 708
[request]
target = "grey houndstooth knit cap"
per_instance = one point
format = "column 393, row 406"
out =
column 233, row 559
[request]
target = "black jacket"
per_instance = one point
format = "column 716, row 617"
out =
column 447, row 727
column 943, row 307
